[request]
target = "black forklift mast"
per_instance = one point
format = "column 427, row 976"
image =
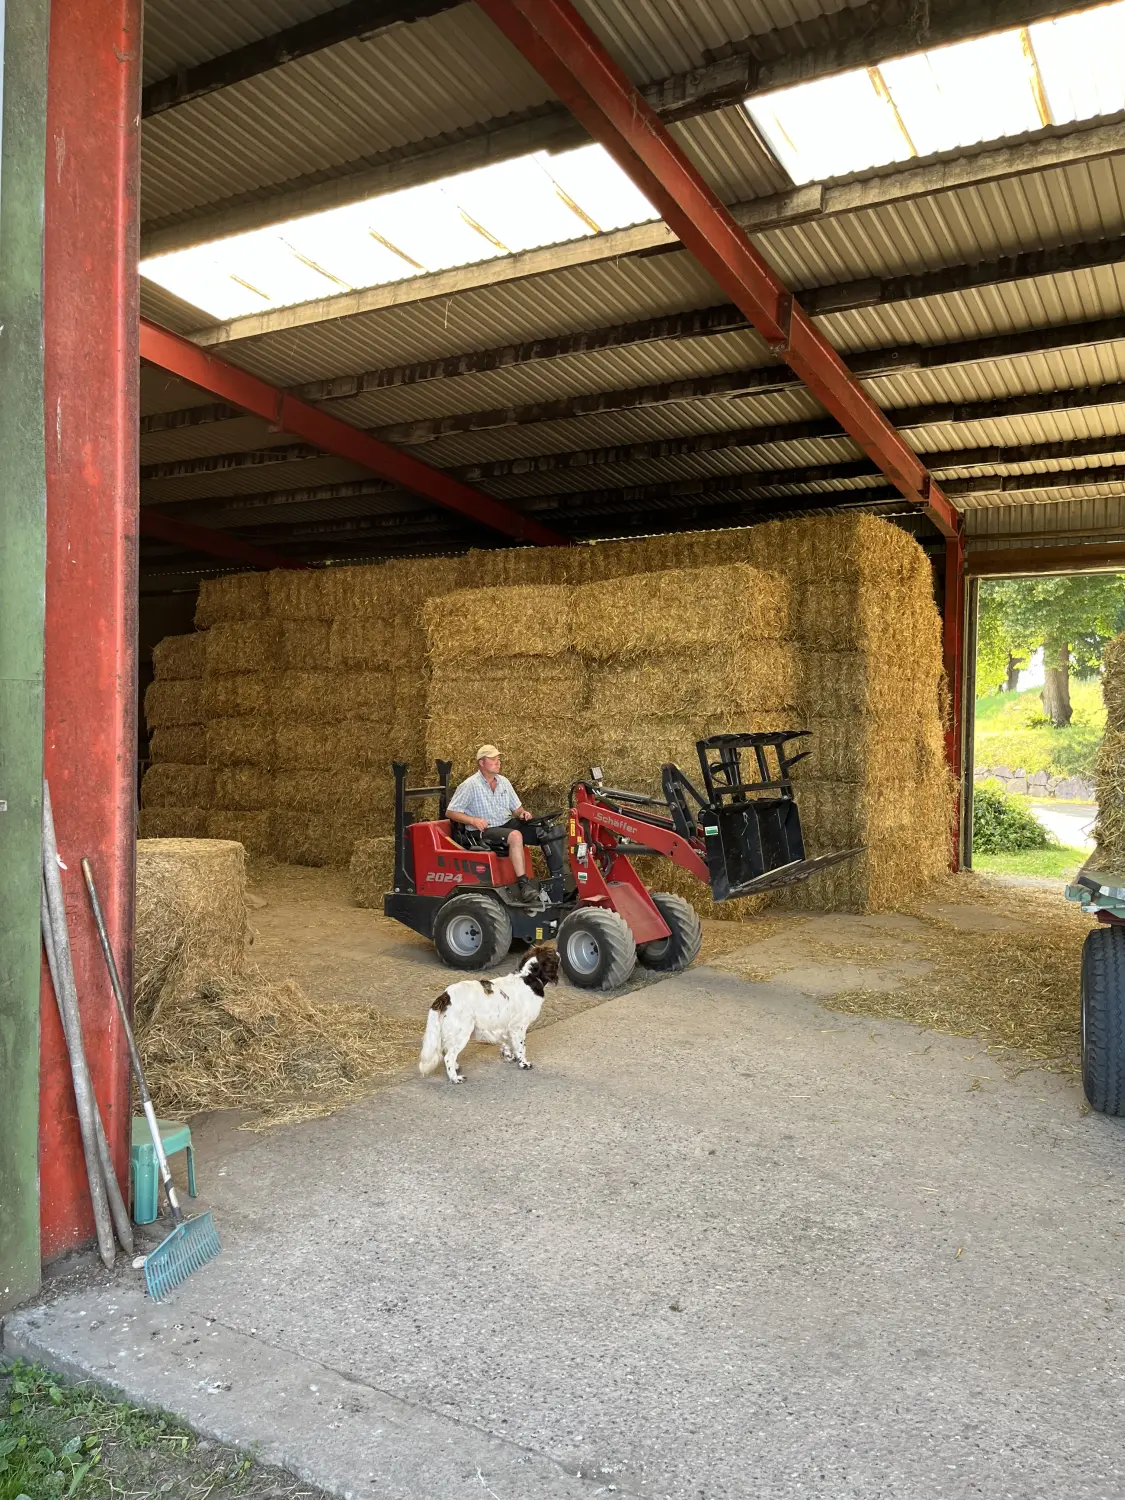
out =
column 404, row 872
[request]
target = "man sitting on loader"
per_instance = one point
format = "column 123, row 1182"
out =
column 485, row 809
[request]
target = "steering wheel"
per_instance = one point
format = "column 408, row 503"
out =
column 547, row 817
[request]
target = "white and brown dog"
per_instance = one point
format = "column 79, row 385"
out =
column 488, row 1010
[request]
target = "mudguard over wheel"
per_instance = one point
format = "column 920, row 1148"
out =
column 472, row 931
column 1103, row 1019
column 671, row 955
column 596, row 948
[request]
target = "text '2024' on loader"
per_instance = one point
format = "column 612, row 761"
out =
column 740, row 835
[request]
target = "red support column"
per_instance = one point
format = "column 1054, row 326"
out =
column 91, row 397
column 953, row 643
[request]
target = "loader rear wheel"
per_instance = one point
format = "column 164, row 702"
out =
column 596, row 948
column 472, row 931
column 671, row 955
column 1103, row 1019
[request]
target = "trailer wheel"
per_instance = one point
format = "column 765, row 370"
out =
column 596, row 948
column 671, row 955
column 1103, row 1019
column 472, row 931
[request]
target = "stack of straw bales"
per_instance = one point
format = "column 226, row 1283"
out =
column 827, row 625
column 317, row 680
column 178, row 790
column 1110, row 765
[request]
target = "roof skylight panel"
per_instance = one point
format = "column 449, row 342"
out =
column 591, row 178
column 1082, row 63
column 830, row 127
column 987, row 89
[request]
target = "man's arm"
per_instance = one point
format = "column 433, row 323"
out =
column 515, row 806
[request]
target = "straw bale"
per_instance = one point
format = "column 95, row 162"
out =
column 238, row 596
column 298, row 594
column 326, row 837
column 518, row 621
column 371, row 871
column 250, row 829
column 358, row 793
column 169, row 785
column 185, row 744
column 699, row 608
column 244, row 789
column 1113, row 684
column 190, row 918
column 179, row 657
column 172, row 703
column 172, row 823
column 240, row 742
column 265, row 645
column 408, row 723
column 236, row 695
column 367, row 643
column 662, row 875
column 306, row 745
column 526, row 687
column 330, row 697
column 1109, row 776
column 725, row 680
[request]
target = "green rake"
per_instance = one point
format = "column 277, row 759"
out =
column 195, row 1241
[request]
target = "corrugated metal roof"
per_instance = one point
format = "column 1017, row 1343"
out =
column 347, row 104
column 179, row 35
column 1076, row 517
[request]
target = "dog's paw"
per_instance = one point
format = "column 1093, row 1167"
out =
column 459, row 1079
column 524, row 1063
column 507, row 1055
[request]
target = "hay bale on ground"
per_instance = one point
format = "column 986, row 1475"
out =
column 184, row 744
column 190, row 918
column 179, row 657
column 371, row 871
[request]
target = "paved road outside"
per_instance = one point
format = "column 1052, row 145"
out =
column 720, row 1243
column 1072, row 823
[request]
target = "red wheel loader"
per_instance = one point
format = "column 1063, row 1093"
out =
column 740, row 835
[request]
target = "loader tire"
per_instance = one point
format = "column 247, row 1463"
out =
column 671, row 955
column 1103, row 1019
column 472, row 931
column 596, row 948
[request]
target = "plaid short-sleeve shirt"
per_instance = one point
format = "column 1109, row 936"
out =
column 476, row 799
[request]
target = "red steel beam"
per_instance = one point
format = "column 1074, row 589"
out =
column 216, row 543
column 562, row 48
column 92, row 409
column 289, row 413
column 953, row 651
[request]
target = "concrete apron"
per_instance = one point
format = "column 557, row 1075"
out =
column 720, row 1243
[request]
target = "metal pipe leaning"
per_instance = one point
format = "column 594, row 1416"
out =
column 118, row 1208
column 53, row 913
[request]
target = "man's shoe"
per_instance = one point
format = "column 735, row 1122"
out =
column 527, row 889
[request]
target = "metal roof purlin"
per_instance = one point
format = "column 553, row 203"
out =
column 205, row 370
column 154, row 523
column 555, row 40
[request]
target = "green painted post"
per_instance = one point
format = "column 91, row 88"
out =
column 23, row 109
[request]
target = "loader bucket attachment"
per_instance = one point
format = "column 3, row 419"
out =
column 750, row 821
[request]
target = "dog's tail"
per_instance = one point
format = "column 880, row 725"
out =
column 431, row 1043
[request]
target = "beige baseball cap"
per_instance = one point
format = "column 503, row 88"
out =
column 487, row 751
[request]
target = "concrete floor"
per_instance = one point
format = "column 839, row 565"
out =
column 720, row 1243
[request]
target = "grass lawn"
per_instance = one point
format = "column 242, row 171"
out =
column 1006, row 737
column 76, row 1442
column 1055, row 863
